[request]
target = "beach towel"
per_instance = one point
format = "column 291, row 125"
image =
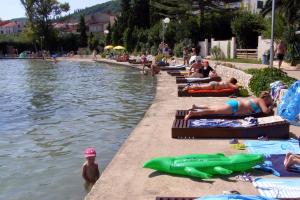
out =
column 222, row 123
column 191, row 80
column 273, row 147
column 278, row 188
column 233, row 197
column 274, row 165
column 275, row 89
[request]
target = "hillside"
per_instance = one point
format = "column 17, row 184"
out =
column 113, row 6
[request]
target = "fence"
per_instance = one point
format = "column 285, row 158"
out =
column 246, row 53
column 229, row 48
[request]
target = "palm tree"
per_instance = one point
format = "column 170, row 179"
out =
column 290, row 10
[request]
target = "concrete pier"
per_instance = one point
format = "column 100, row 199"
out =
column 125, row 177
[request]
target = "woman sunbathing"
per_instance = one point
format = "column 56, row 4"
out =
column 213, row 85
column 262, row 104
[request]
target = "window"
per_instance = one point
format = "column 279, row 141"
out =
column 260, row 4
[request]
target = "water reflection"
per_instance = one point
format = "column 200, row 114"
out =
column 51, row 113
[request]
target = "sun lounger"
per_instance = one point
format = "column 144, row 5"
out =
column 177, row 72
column 271, row 127
column 207, row 93
column 178, row 67
column 180, row 114
column 197, row 80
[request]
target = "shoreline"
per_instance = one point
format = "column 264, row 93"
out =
column 125, row 177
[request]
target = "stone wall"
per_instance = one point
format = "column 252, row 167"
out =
column 227, row 72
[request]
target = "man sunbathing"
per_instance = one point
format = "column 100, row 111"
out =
column 213, row 85
column 291, row 159
column 262, row 104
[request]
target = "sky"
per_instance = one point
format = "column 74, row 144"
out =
column 13, row 8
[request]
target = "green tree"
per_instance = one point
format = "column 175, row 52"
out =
column 82, row 30
column 108, row 36
column 141, row 10
column 290, row 10
column 247, row 27
column 93, row 41
column 40, row 14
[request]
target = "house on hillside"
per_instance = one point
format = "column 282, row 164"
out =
column 98, row 22
column 254, row 6
column 66, row 27
column 12, row 26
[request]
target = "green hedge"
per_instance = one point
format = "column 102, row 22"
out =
column 262, row 78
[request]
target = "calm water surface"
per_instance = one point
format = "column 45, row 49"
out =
column 49, row 113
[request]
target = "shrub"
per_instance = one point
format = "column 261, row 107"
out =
column 216, row 52
column 178, row 49
column 159, row 57
column 262, row 78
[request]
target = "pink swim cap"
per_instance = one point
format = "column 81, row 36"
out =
column 90, row 152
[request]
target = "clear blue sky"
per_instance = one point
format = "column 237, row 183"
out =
column 13, row 8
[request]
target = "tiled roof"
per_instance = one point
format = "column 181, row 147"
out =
column 2, row 23
column 10, row 24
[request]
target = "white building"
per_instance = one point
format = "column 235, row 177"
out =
column 98, row 22
column 253, row 6
column 13, row 26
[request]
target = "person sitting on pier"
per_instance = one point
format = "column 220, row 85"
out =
column 206, row 70
column 213, row 85
column 262, row 104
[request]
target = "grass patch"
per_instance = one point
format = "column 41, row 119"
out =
column 262, row 78
column 240, row 60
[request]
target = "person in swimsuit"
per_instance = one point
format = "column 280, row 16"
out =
column 213, row 85
column 206, row 69
column 196, row 66
column 280, row 52
column 291, row 159
column 262, row 104
column 90, row 170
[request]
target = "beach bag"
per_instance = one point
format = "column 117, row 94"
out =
column 289, row 107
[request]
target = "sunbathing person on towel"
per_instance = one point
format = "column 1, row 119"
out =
column 291, row 159
column 213, row 85
column 236, row 107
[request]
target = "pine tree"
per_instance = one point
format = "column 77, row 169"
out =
column 82, row 29
column 141, row 10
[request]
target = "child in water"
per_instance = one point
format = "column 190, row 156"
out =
column 90, row 170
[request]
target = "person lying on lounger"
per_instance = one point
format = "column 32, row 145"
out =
column 262, row 104
column 291, row 159
column 213, row 85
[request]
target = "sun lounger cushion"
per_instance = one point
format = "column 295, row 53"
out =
column 271, row 127
column 197, row 80
column 180, row 114
column 201, row 93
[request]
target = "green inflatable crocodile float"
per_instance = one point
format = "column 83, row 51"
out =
column 204, row 166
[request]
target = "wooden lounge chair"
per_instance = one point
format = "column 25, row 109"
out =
column 197, row 80
column 271, row 127
column 207, row 93
column 172, row 68
column 177, row 72
column 180, row 114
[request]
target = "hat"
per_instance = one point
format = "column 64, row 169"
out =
column 90, row 152
column 198, row 58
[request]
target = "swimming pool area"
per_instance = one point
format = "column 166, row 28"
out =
column 49, row 113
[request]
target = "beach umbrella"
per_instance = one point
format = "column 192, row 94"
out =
column 119, row 48
column 108, row 47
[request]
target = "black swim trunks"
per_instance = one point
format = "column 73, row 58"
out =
column 280, row 56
